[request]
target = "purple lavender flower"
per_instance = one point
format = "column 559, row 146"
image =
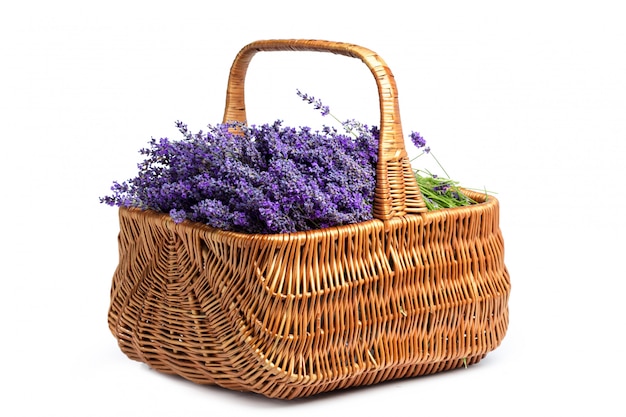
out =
column 178, row 215
column 317, row 103
column 214, row 213
column 418, row 140
column 441, row 188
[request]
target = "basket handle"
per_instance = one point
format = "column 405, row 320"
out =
column 396, row 193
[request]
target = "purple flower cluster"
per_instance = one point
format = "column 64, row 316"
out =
column 441, row 188
column 257, row 179
column 419, row 141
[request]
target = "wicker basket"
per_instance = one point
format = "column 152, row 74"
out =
column 408, row 293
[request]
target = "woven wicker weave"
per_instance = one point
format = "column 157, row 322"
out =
column 408, row 293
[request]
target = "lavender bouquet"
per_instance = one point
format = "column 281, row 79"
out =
column 269, row 178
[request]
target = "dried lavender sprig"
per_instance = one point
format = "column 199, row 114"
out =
column 351, row 126
column 420, row 143
column 317, row 104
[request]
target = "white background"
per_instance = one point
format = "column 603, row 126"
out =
column 525, row 98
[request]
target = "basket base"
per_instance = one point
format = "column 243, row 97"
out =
column 299, row 391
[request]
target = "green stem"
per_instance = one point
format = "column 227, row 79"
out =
column 440, row 166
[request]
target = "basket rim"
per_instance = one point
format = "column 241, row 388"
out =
column 486, row 202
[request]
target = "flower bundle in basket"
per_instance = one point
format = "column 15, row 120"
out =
column 290, row 262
